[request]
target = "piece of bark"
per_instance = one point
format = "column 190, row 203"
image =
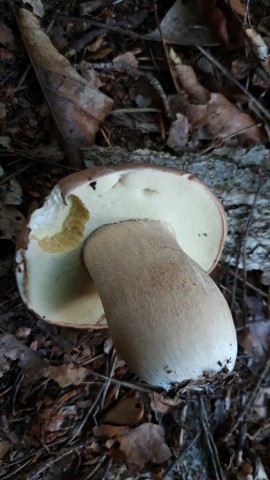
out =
column 234, row 175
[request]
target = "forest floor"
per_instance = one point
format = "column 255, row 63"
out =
column 166, row 76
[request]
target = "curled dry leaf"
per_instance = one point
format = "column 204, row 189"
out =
column 178, row 133
column 161, row 404
column 255, row 340
column 225, row 119
column 186, row 76
column 223, row 16
column 31, row 363
column 241, row 66
column 52, row 418
column 260, row 48
column 37, row 6
column 216, row 18
column 67, row 374
column 237, row 6
column 140, row 445
column 77, row 107
column 145, row 444
column 127, row 411
column 219, row 119
column 128, row 58
column 213, row 115
column 183, row 25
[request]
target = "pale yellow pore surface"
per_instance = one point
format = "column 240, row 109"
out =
column 168, row 319
column 51, row 275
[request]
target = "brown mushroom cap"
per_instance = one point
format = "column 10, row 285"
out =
column 51, row 275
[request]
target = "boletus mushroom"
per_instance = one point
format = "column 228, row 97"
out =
column 134, row 242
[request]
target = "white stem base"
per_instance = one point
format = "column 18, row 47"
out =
column 168, row 319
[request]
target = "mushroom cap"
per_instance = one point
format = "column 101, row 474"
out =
column 52, row 278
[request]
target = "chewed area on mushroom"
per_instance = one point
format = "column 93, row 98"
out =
column 132, row 245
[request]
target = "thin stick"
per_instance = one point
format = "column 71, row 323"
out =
column 52, row 460
column 111, row 28
column 135, row 386
column 181, row 455
column 225, row 72
column 251, row 286
column 6, row 178
column 244, row 237
column 210, row 442
column 250, row 400
column 90, row 411
column 136, row 74
column 227, row 137
column 165, row 46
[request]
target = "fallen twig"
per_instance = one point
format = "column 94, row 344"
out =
column 136, row 74
column 249, row 401
column 210, row 442
column 227, row 74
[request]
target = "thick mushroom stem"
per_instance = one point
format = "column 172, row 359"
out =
column 168, row 319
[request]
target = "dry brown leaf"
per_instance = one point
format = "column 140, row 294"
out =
column 109, row 431
column 51, row 419
column 128, row 58
column 90, row 74
column 77, row 108
column 183, row 25
column 4, row 448
column 260, row 48
column 220, row 119
column 223, row 19
column 216, row 18
column 6, row 36
column 241, row 66
column 214, row 115
column 188, row 80
column 37, row 6
column 178, row 133
column 67, row 374
column 161, row 404
column 255, row 340
column 237, row 6
column 145, row 444
column 261, row 403
column 127, row 411
column 31, row 363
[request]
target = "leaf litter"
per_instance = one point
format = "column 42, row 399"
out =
column 77, row 107
column 211, row 114
column 53, row 408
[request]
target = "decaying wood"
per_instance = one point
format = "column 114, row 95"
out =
column 241, row 180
